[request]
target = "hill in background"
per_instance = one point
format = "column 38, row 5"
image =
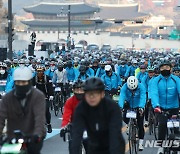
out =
column 146, row 5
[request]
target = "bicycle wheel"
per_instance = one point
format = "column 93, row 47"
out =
column 132, row 138
column 155, row 127
column 82, row 150
column 61, row 103
column 51, row 105
column 150, row 120
column 56, row 104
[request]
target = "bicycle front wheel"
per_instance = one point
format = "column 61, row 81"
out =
column 132, row 139
column 56, row 104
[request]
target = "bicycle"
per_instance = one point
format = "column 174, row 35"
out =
column 58, row 101
column 133, row 129
column 152, row 120
column 173, row 131
column 67, row 137
column 17, row 145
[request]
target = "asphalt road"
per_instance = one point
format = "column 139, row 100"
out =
column 55, row 145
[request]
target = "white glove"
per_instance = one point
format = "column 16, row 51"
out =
column 51, row 98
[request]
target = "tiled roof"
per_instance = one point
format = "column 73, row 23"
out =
column 57, row 8
column 120, row 12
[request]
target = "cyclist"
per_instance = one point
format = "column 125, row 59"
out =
column 44, row 84
column 15, row 63
column 142, row 73
column 147, row 81
column 134, row 94
column 176, row 71
column 60, row 78
column 76, row 64
column 131, row 69
column 111, row 80
column 95, row 65
column 71, row 72
column 46, row 64
column 110, row 62
column 100, row 70
column 22, row 63
column 89, row 71
column 69, row 108
column 165, row 96
column 26, row 106
column 101, row 117
column 6, row 79
column 122, row 69
column 82, row 75
column 50, row 72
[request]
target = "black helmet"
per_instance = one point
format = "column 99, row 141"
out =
column 176, row 69
column 86, row 63
column 95, row 61
column 82, row 69
column 60, row 64
column 165, row 63
column 94, row 84
column 78, row 84
column 69, row 63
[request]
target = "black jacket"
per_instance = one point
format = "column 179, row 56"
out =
column 103, row 124
column 45, row 86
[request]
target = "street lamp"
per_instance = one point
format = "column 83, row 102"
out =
column 10, row 29
column 69, row 26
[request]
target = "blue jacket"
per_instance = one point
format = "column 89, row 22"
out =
column 140, row 76
column 49, row 73
column 100, row 72
column 145, row 81
column 138, row 100
column 166, row 92
column 9, row 82
column 122, row 70
column 90, row 72
column 112, row 82
column 9, row 86
column 82, row 77
column 71, row 73
column 130, row 71
column 150, row 88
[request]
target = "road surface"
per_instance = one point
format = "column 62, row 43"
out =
column 55, row 145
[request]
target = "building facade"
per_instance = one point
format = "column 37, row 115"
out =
column 83, row 16
column 54, row 17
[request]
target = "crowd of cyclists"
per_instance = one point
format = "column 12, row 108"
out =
column 141, row 79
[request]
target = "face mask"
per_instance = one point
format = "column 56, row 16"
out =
column 108, row 73
column 69, row 66
column 21, row 91
column 60, row 69
column 122, row 65
column 2, row 72
column 95, row 67
column 79, row 96
column 82, row 73
column 165, row 73
column 52, row 68
column 87, row 68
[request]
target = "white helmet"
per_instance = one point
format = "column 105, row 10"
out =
column 132, row 82
column 22, row 74
column 108, row 67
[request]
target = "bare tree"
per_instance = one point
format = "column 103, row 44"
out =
column 3, row 14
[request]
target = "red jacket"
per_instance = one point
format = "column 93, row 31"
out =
column 69, row 109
